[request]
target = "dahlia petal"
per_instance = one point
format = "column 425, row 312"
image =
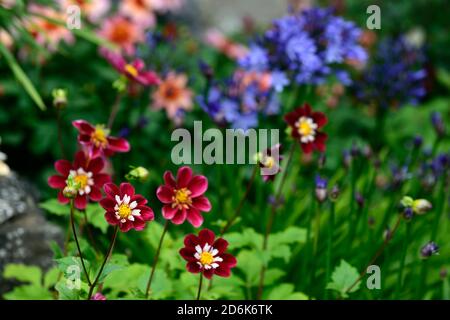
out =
column 188, row 254
column 193, row 267
column 83, row 126
column 147, row 213
column 319, row 142
column 100, row 179
column 168, row 212
column 228, row 260
column 57, row 182
column 201, row 203
column 84, row 139
column 96, row 165
column 169, row 179
column 63, row 167
column 80, row 160
column 126, row 189
column 111, row 218
column 291, row 118
column 221, row 245
column 125, row 226
column 164, row 194
column 184, row 176
column 208, row 273
column 95, row 194
column 138, row 64
column 206, row 236
column 138, row 225
column 307, row 147
column 80, row 202
column 111, row 189
column 320, row 119
column 222, row 271
column 194, row 217
column 180, row 216
column 118, row 144
column 62, row 199
column 139, row 199
column 191, row 240
column 198, row 185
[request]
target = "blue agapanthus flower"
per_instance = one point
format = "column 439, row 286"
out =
column 307, row 46
column 396, row 76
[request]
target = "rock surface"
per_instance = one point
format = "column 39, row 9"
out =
column 25, row 235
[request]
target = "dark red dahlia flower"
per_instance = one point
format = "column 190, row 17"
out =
column 183, row 199
column 97, row 141
column 305, row 127
column 85, row 174
column 133, row 71
column 125, row 208
column 207, row 255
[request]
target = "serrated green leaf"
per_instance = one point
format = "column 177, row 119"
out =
column 51, row 277
column 343, row 278
column 285, row 291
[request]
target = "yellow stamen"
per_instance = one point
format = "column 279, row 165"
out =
column 131, row 70
column 124, row 211
column 270, row 161
column 99, row 136
column 206, row 258
column 81, row 180
column 305, row 128
column 182, row 198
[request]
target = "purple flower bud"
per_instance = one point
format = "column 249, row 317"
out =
column 346, row 158
column 334, row 193
column 431, row 248
column 359, row 199
column 408, row 213
column 417, row 141
column 321, row 161
column 438, row 123
column 206, row 70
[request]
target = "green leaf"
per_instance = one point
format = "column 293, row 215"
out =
column 250, row 264
column 54, row 207
column 289, row 236
column 72, row 268
column 153, row 233
column 21, row 272
column 285, row 291
column 51, row 277
column 22, row 77
column 28, row 292
column 124, row 279
column 272, row 276
column 343, row 278
column 68, row 293
column 161, row 284
column 247, row 238
column 96, row 216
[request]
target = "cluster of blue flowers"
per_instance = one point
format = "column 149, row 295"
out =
column 308, row 47
column 302, row 48
column 396, row 76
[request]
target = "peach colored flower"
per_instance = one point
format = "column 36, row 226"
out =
column 218, row 40
column 123, row 32
column 93, row 10
column 6, row 39
column 173, row 95
column 46, row 33
column 139, row 11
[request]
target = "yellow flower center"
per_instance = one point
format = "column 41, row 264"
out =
column 124, row 211
column 81, row 180
column 182, row 198
column 131, row 70
column 270, row 161
column 99, row 136
column 206, row 258
column 305, row 128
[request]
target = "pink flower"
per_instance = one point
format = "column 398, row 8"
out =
column 96, row 140
column 219, row 41
column 125, row 208
column 133, row 71
column 88, row 176
column 94, row 11
column 167, row 5
column 139, row 11
column 123, row 32
column 173, row 95
column 98, row 296
column 183, row 198
column 46, row 33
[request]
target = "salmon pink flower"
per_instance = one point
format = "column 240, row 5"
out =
column 206, row 254
column 219, row 41
column 85, row 174
column 183, row 198
column 122, row 32
column 173, row 95
column 305, row 126
column 125, row 208
column 133, row 71
column 45, row 32
column 139, row 11
column 97, row 141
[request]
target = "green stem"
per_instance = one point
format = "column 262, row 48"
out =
column 329, row 245
column 200, row 284
column 114, row 110
column 403, row 259
column 155, row 260
column 74, row 231
column 110, row 249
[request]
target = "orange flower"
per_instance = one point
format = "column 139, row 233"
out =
column 45, row 32
column 139, row 11
column 123, row 33
column 173, row 95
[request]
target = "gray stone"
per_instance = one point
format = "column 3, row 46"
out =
column 25, row 235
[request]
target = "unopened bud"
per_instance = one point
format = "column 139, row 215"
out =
column 334, row 193
column 137, row 173
column 421, row 206
column 431, row 248
column 59, row 98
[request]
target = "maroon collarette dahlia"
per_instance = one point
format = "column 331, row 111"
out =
column 206, row 254
column 183, row 198
column 85, row 175
column 125, row 208
column 305, row 127
column 97, row 140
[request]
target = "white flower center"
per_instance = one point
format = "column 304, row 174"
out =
column 306, row 128
column 125, row 210
column 207, row 256
column 84, row 180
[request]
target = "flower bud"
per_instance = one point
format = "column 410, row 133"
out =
column 59, row 98
column 408, row 213
column 322, row 160
column 421, row 206
column 137, row 173
column 334, row 193
column 431, row 248
column 70, row 192
column 359, row 199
